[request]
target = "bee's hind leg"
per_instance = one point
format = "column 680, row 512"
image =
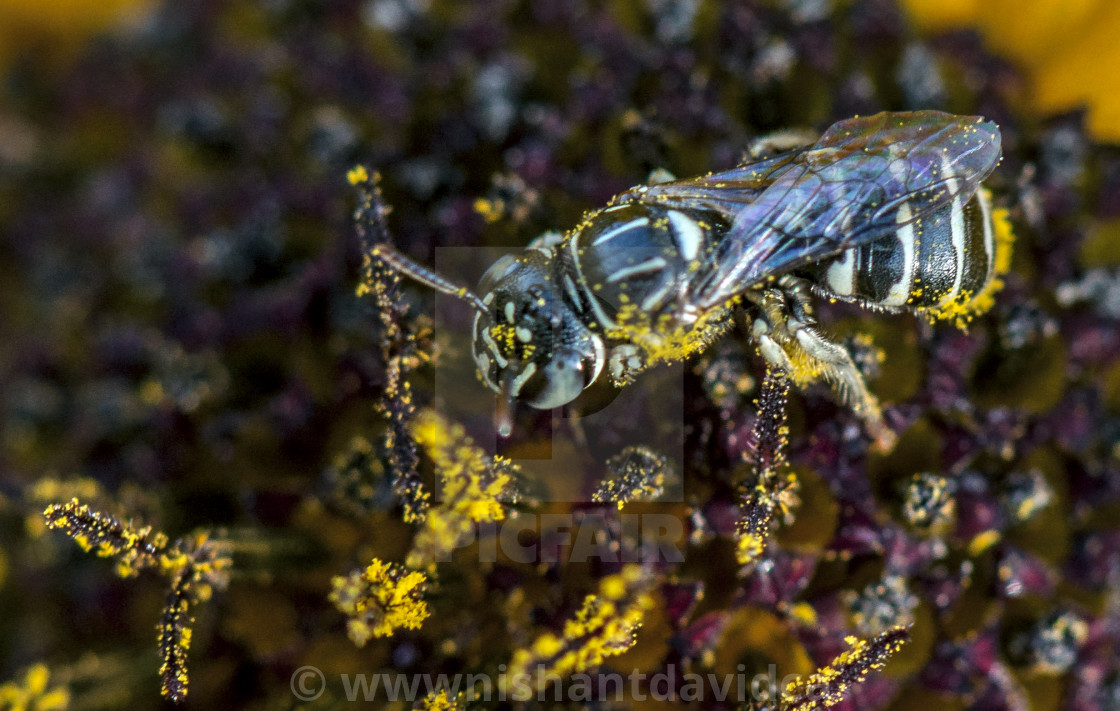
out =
column 834, row 364
column 798, row 348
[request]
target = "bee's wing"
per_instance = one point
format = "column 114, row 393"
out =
column 861, row 181
column 725, row 193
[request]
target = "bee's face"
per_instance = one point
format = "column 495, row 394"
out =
column 530, row 345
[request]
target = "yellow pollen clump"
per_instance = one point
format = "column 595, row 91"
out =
column 968, row 304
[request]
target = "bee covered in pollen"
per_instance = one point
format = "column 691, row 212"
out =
column 884, row 211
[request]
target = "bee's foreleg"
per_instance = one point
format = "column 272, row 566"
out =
column 625, row 362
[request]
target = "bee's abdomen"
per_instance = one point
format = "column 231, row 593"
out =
column 945, row 264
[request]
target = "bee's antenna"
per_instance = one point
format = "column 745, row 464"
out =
column 406, row 266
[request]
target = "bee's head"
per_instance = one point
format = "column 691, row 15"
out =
column 529, row 344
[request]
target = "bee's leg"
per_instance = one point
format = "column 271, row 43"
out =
column 774, row 354
column 788, row 340
column 658, row 176
column 779, row 142
column 625, row 362
column 546, row 240
column 836, row 366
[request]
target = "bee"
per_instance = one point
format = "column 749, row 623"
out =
column 884, row 211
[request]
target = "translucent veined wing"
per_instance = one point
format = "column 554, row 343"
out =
column 726, row 193
column 862, row 180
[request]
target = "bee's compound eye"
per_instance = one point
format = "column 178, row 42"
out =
column 497, row 271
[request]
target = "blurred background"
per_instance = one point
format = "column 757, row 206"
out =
column 181, row 343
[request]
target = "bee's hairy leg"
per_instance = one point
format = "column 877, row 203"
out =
column 625, row 362
column 763, row 330
column 833, row 362
column 787, row 339
column 773, row 353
